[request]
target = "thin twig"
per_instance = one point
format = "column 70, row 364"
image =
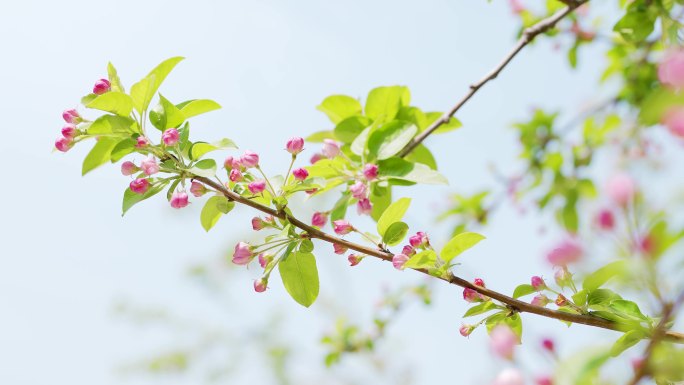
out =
column 527, row 36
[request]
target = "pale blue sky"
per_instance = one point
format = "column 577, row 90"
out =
column 67, row 255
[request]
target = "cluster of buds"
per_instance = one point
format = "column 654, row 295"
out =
column 70, row 130
column 471, row 296
column 417, row 242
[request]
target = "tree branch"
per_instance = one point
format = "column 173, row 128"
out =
column 514, row 304
column 527, row 37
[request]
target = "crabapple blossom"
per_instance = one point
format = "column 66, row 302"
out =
column 419, row 239
column 72, row 116
column 342, row 227
column 398, row 261
column 354, row 259
column 339, row 249
column 315, row 158
column 370, row 171
column 258, row 224
column 567, row 251
column 129, row 168
column 408, row 250
column 331, row 148
column 142, row 142
column 538, row 283
column 69, row 131
column 249, row 159
column 243, row 253
column 319, row 219
column 235, row 175
column 149, row 166
column 264, row 259
column 358, row 190
column 294, row 145
column 101, row 86
column 260, row 285
column 64, row 144
column 621, row 189
column 540, row 300
column 139, row 186
column 179, row 199
column 257, row 187
column 502, row 341
column 300, row 174
column 197, row 189
column 465, row 330
column 171, row 137
column 364, row 207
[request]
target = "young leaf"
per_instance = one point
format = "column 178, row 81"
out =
column 114, row 79
column 403, row 170
column 100, row 154
column 143, row 91
column 166, row 115
column 198, row 149
column 481, row 308
column 205, row 168
column 625, row 342
column 394, row 213
column 395, row 233
column 459, row 244
column 197, row 107
column 350, row 128
column 213, row 209
column 130, row 198
column 523, row 290
column 115, row 102
column 300, row 277
column 383, row 103
column 598, row 278
column 111, row 124
column 423, row 260
column 339, row 107
column 390, row 138
column 122, row 149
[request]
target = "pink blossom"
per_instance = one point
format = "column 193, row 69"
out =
column 264, row 260
column 101, row 86
column 540, row 300
column 71, row 116
column 671, row 70
column 339, row 249
column 315, row 158
column 231, row 163
column 370, row 171
column 509, row 376
column 567, row 251
column 563, row 277
column 129, row 168
column 408, row 250
column 258, row 224
column 300, row 174
column 605, row 219
column 243, row 253
column 249, row 159
column 331, row 148
column 342, row 227
column 548, row 345
column 538, row 283
column 197, row 189
column 257, row 187
column 358, row 190
column 139, row 186
column 354, row 259
column 69, row 131
column 64, row 144
column 318, row 219
column 543, row 380
column 364, row 207
column 674, row 121
column 419, row 239
column 479, row 282
column 171, row 137
column 260, row 285
column 465, row 330
column 179, row 199
column 621, row 189
column 470, row 295
column 142, row 142
column 561, row 300
column 294, row 145
column 502, row 341
column 235, row 175
column 149, row 166
column 399, row 260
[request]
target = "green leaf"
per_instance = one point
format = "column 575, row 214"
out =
column 300, row 277
column 350, row 128
column 198, row 149
column 395, row 233
column 449, row 126
column 394, row 213
column 404, row 170
column 381, row 198
column 122, row 149
column 627, row 309
column 637, row 24
column 166, row 115
column 383, row 103
column 143, row 91
column 390, row 138
column 601, row 296
column 111, row 124
column 598, row 278
column 320, row 136
column 114, row 78
column 205, row 168
column 459, row 244
column 625, row 342
column 515, row 323
column 115, row 102
column 213, row 209
column 424, row 260
column 100, row 154
column 413, row 115
column 130, row 198
column 340, row 209
column 523, row 290
column 421, row 154
column 358, row 146
column 339, row 107
column 197, row 107
column 480, row 308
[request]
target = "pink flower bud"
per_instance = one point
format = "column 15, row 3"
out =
column 243, row 253
column 101, row 86
column 563, row 277
column 171, row 137
column 605, row 220
column 300, row 174
column 257, row 187
column 235, row 175
column 398, row 261
column 264, row 259
column 342, row 227
column 315, row 158
column 318, row 219
column 229, row 163
column 149, row 166
column 540, row 300
column 621, row 189
column 179, row 199
column 418, row 240
column 561, row 300
column 260, row 285
column 567, row 251
column 64, row 144
column 538, row 283
column 364, row 207
column 72, row 116
column 502, row 341
column 674, row 121
column 294, row 145
column 339, row 249
column 197, row 189
column 249, row 159
column 470, row 295
column 129, row 168
column 142, row 142
column 465, row 330
column 548, row 345
column 408, row 250
column 331, row 148
column 258, row 224
column 358, row 190
column 479, row 282
column 370, row 171
column 543, row 380
column 509, row 376
column 139, row 186
column 69, row 131
column 671, row 70
column 354, row 259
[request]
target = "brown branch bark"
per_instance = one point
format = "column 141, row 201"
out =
column 514, row 304
column 527, row 37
